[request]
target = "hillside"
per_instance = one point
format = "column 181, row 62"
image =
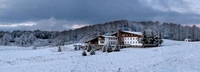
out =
column 54, row 38
column 172, row 56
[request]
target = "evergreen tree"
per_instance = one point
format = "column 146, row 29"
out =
column 104, row 48
column 109, row 48
column 144, row 38
column 75, row 47
column 117, row 48
column 59, row 49
column 160, row 38
column 84, row 53
column 92, row 52
column 89, row 47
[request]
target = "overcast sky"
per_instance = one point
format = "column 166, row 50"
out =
column 71, row 14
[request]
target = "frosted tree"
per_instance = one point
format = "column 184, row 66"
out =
column 144, row 38
column 109, row 48
column 92, row 52
column 26, row 39
column 31, row 38
column 84, row 53
column 75, row 47
column 41, row 42
column 104, row 48
column 59, row 49
column 117, row 47
column 89, row 47
column 160, row 38
column 6, row 39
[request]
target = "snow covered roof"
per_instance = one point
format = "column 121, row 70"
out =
column 138, row 33
column 91, row 39
column 107, row 36
column 187, row 39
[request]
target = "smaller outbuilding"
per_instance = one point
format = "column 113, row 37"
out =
column 188, row 40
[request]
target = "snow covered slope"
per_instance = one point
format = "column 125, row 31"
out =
column 172, row 56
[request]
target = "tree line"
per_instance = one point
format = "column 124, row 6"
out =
column 172, row 31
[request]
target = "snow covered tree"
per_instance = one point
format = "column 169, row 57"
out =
column 26, row 39
column 84, row 53
column 6, row 39
column 75, row 47
column 117, row 48
column 160, row 38
column 89, row 47
column 79, row 47
column 104, row 48
column 109, row 48
column 59, row 49
column 41, row 42
column 144, row 38
column 92, row 52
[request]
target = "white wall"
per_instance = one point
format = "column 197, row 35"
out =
column 127, row 40
column 111, row 40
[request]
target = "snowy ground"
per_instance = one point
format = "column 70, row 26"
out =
column 172, row 56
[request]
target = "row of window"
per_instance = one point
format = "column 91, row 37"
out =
column 131, row 42
column 112, row 42
column 112, row 38
column 128, row 35
column 130, row 38
column 101, row 41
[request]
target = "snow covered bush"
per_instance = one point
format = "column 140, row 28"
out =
column 41, row 42
column 117, row 48
column 6, row 39
column 26, row 39
column 92, row 52
column 34, row 47
column 59, row 49
column 84, row 53
column 109, row 49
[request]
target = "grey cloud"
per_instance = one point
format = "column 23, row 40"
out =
column 53, row 24
column 92, row 12
column 50, row 24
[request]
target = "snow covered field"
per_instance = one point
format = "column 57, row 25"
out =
column 172, row 56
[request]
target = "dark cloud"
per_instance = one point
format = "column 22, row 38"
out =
column 95, row 11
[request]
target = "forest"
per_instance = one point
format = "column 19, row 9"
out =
column 171, row 31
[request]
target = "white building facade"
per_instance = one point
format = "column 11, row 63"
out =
column 129, row 38
column 112, row 40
